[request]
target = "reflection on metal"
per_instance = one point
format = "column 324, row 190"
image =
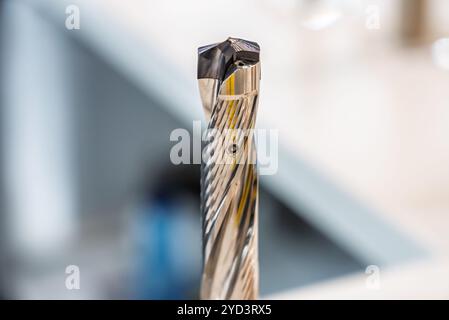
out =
column 229, row 75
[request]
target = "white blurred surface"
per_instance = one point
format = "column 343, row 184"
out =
column 420, row 281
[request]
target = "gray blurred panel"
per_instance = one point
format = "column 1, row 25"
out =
column 37, row 145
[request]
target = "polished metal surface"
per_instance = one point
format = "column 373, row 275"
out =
column 229, row 76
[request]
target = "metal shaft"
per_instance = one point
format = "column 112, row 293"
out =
column 228, row 76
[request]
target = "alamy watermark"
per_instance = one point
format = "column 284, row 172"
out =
column 226, row 147
column 372, row 21
column 72, row 22
column 72, row 281
column 373, row 280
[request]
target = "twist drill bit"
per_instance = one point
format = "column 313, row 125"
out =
column 228, row 77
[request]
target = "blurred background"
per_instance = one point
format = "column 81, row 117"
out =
column 92, row 89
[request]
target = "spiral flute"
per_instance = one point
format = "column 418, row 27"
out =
column 228, row 77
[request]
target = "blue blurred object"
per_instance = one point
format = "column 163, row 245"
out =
column 155, row 276
column 167, row 242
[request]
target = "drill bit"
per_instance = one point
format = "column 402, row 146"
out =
column 228, row 77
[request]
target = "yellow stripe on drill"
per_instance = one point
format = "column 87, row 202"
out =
column 243, row 199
